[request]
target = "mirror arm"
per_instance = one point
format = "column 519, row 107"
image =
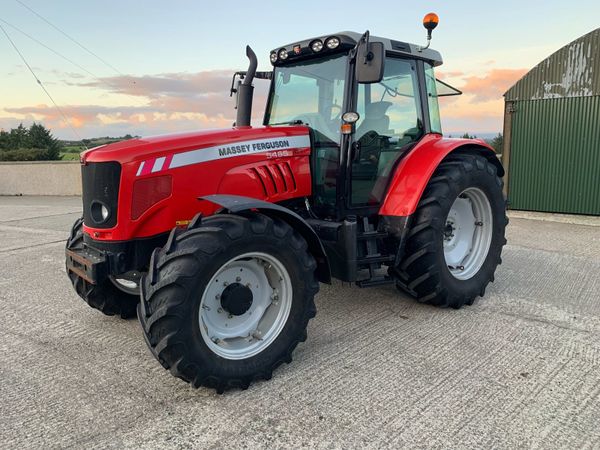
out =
column 354, row 51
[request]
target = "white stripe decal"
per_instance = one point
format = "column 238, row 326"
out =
column 238, row 149
column 158, row 164
column 139, row 172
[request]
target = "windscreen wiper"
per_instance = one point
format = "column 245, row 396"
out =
column 289, row 122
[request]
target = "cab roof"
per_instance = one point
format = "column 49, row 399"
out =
column 301, row 50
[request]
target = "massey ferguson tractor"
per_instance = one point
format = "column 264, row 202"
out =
column 218, row 239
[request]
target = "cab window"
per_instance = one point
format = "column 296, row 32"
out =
column 432, row 99
column 390, row 122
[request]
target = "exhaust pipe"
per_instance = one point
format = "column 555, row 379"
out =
column 245, row 92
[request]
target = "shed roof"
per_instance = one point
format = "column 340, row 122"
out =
column 572, row 71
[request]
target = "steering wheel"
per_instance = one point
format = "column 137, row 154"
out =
column 370, row 143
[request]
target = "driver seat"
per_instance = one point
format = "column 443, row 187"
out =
column 376, row 120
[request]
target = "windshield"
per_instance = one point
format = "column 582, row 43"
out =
column 311, row 92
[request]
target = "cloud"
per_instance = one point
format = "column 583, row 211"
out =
column 94, row 120
column 169, row 84
column 167, row 102
column 186, row 101
column 480, row 108
column 492, row 85
column 443, row 75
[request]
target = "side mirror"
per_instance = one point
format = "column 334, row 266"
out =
column 370, row 62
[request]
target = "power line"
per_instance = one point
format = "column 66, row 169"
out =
column 64, row 116
column 70, row 38
column 51, row 49
column 96, row 77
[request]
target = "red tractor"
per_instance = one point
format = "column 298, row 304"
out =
column 219, row 239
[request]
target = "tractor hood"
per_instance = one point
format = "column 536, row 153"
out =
column 225, row 141
column 157, row 181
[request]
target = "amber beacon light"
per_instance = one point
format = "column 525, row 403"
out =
column 430, row 21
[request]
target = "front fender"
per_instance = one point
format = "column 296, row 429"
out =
column 415, row 170
column 237, row 203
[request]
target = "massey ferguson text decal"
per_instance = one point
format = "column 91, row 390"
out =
column 255, row 147
column 271, row 146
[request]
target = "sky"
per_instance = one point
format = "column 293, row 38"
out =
column 165, row 67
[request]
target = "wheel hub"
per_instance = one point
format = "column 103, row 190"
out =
column 236, row 299
column 245, row 305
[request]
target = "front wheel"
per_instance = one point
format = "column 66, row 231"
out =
column 456, row 238
column 106, row 296
column 227, row 300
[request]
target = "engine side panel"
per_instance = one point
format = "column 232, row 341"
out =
column 267, row 163
column 415, row 170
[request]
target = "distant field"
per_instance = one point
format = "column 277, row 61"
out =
column 71, row 149
column 69, row 156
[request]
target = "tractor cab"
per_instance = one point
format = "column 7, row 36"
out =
column 367, row 101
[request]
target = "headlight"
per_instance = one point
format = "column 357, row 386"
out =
column 316, row 45
column 283, row 54
column 100, row 212
column 332, row 42
column 351, row 117
column 273, row 57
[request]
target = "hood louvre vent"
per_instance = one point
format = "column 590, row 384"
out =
column 275, row 178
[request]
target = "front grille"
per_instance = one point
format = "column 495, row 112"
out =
column 100, row 182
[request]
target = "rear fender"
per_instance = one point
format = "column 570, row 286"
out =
column 236, row 203
column 415, row 170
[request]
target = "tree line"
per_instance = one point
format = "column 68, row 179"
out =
column 35, row 143
column 496, row 142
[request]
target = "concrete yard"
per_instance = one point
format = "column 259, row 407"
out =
column 519, row 368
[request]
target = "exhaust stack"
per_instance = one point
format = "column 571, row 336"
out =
column 245, row 92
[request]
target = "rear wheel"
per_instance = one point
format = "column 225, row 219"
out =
column 104, row 296
column 227, row 300
column 457, row 235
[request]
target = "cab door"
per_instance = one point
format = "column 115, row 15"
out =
column 391, row 121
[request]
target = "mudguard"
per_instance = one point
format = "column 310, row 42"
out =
column 237, row 203
column 415, row 170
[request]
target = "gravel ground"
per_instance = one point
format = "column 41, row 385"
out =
column 519, row 368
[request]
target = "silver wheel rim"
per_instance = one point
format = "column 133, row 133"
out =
column 245, row 335
column 467, row 234
column 127, row 286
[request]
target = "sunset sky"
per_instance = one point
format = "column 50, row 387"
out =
column 172, row 61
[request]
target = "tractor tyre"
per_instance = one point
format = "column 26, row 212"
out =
column 104, row 296
column 455, row 241
column 227, row 300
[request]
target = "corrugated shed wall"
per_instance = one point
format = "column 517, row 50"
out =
column 572, row 71
column 555, row 155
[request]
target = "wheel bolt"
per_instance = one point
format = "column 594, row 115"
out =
column 225, row 283
column 220, row 310
column 218, row 296
column 238, row 279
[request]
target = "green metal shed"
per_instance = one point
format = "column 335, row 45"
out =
column 552, row 132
